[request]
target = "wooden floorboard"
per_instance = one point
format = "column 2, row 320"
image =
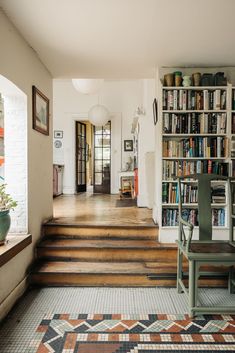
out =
column 87, row 209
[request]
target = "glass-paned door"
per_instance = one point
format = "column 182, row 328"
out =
column 102, row 158
column 80, row 157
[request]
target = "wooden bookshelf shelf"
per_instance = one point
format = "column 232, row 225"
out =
column 193, row 181
column 196, row 158
column 192, row 205
column 191, row 135
column 193, row 111
column 195, row 88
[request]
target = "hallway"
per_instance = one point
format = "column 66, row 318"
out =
column 98, row 209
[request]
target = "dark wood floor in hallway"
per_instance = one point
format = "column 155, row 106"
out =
column 98, row 209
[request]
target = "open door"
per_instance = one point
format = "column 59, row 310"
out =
column 80, row 157
column 102, row 158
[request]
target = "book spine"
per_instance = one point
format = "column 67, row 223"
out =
column 205, row 100
column 217, row 99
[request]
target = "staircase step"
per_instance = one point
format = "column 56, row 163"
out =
column 90, row 231
column 108, row 274
column 106, row 250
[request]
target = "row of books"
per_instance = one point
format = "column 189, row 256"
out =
column 233, row 168
column 195, row 123
column 189, row 193
column 173, row 169
column 233, row 99
column 233, row 123
column 194, row 100
column 170, row 217
column 196, row 147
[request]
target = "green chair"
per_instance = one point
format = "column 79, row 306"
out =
column 204, row 251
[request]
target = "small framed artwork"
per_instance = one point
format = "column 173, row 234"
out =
column 155, row 111
column 58, row 134
column 40, row 112
column 128, row 145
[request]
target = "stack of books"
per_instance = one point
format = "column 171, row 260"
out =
column 218, row 194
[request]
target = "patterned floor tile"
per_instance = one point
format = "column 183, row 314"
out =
column 152, row 333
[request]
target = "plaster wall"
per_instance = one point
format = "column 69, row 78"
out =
column 21, row 66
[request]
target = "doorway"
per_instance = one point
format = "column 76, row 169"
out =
column 102, row 158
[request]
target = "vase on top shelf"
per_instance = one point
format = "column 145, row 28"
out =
column 196, row 78
column 186, row 81
column 178, row 78
column 169, row 79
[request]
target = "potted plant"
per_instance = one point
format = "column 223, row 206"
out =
column 6, row 204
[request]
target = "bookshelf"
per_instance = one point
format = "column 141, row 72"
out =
column 197, row 135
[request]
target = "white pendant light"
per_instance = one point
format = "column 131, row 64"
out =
column 98, row 115
column 87, row 86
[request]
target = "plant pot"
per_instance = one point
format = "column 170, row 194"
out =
column 5, row 222
column 178, row 78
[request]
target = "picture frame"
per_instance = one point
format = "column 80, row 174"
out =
column 40, row 111
column 128, row 145
column 58, row 134
column 155, row 112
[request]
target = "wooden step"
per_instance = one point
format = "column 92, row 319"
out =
column 106, row 250
column 98, row 231
column 108, row 274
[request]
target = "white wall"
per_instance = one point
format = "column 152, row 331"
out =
column 121, row 98
column 20, row 64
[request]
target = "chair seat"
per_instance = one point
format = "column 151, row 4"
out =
column 212, row 248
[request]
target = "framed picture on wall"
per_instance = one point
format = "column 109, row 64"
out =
column 128, row 145
column 40, row 112
column 58, row 134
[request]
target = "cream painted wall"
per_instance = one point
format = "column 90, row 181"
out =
column 20, row 64
column 121, row 98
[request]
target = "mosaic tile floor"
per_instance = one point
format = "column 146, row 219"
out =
column 131, row 333
column 19, row 328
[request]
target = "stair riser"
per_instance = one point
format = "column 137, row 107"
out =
column 109, row 254
column 102, row 232
column 91, row 280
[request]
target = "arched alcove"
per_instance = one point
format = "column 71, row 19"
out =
column 15, row 139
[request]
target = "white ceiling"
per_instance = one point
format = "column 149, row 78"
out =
column 125, row 38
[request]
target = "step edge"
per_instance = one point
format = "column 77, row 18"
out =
column 115, row 226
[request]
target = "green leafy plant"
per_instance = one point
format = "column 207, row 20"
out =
column 6, row 201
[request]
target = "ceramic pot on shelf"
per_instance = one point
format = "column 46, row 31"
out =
column 196, row 78
column 169, row 80
column 186, row 81
column 178, row 78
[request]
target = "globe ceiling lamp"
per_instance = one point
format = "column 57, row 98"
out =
column 87, row 86
column 98, row 115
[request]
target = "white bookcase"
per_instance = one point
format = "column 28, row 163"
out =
column 179, row 132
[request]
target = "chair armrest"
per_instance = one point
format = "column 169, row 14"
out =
column 190, row 228
column 185, row 223
column 233, row 216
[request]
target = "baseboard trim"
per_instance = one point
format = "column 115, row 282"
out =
column 7, row 304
